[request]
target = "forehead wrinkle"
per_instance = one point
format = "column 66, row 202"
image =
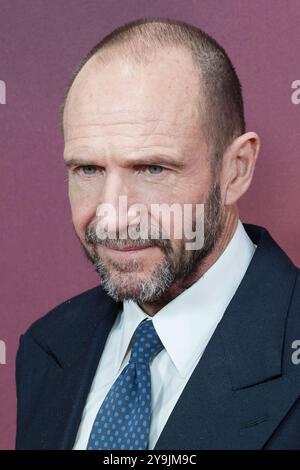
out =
column 127, row 136
column 102, row 117
column 133, row 128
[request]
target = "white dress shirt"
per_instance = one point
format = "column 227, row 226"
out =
column 185, row 326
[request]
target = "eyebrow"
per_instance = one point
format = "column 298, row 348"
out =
column 70, row 162
column 152, row 159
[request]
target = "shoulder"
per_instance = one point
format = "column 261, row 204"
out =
column 66, row 330
column 69, row 315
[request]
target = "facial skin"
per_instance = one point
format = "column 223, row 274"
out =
column 135, row 129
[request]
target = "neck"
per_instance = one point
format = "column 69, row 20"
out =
column 231, row 217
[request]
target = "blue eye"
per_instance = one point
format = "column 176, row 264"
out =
column 156, row 170
column 88, row 170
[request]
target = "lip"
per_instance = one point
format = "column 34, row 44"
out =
column 127, row 250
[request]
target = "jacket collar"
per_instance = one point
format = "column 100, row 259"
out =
column 253, row 325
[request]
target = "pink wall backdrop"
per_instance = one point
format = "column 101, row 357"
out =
column 41, row 42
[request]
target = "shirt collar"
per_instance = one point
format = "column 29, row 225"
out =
column 186, row 324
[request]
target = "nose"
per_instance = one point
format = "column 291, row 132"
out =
column 112, row 210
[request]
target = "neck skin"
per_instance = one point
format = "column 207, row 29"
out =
column 231, row 218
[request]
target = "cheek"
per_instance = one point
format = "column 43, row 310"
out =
column 83, row 208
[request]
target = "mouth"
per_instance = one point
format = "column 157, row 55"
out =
column 127, row 250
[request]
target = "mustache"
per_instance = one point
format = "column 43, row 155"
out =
column 93, row 237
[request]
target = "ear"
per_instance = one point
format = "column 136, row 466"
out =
column 238, row 166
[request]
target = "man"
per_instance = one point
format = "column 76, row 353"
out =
column 178, row 348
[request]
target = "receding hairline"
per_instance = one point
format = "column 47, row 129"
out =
column 219, row 86
column 125, row 52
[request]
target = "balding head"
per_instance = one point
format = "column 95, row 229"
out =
column 219, row 98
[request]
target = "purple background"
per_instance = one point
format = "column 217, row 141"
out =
column 41, row 42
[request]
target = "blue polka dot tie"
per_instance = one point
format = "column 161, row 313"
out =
column 123, row 421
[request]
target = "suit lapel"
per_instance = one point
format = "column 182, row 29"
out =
column 210, row 415
column 237, row 394
column 77, row 381
column 69, row 368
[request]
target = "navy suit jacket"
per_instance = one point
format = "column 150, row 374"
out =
column 243, row 394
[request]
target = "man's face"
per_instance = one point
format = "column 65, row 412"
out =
column 134, row 130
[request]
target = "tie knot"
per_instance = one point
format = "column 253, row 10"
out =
column 145, row 343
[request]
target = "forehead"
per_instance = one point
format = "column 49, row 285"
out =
column 164, row 91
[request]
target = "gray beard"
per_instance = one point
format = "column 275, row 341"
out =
column 175, row 268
